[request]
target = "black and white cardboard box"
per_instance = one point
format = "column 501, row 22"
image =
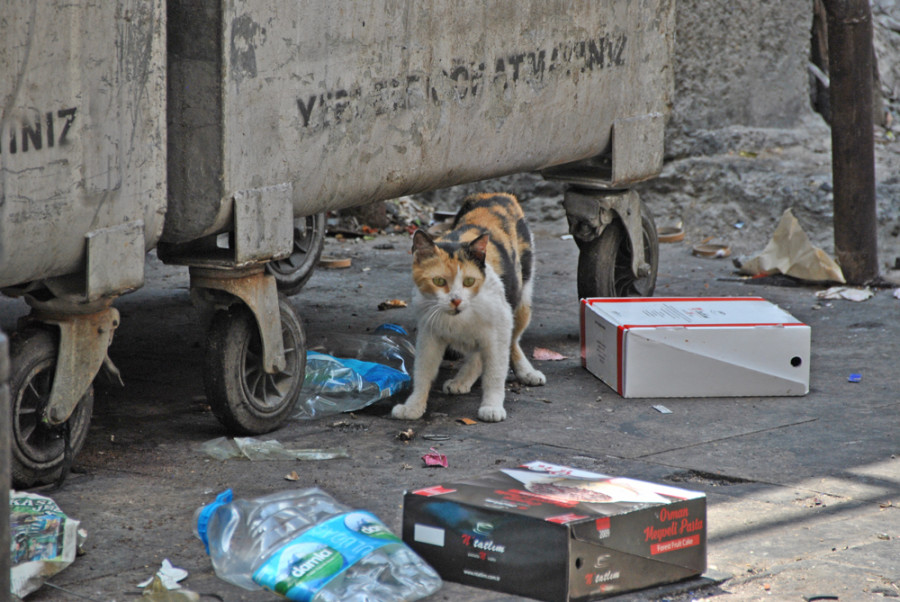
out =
column 695, row 347
column 557, row 533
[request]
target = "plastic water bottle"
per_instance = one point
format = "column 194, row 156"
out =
column 305, row 545
column 348, row 372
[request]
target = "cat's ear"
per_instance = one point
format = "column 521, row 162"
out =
column 423, row 244
column 478, row 247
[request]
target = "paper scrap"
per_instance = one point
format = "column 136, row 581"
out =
column 547, row 355
column 791, row 253
column 433, row 458
column 168, row 575
column 662, row 409
column 846, row 292
column 466, row 421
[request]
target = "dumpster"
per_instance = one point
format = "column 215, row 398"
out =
column 82, row 198
column 279, row 111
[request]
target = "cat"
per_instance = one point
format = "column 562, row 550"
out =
column 472, row 292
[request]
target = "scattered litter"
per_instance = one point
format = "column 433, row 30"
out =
column 748, row 154
column 466, row 421
column 897, row 293
column 168, row 575
column 714, row 251
column 433, row 458
column 662, row 409
column 846, row 292
column 406, row 435
column 884, row 537
column 157, row 591
column 670, row 233
column 329, row 262
column 391, row 304
column 739, row 225
column 292, row 476
column 43, row 541
column 347, row 372
column 791, row 253
column 548, row 355
column 223, row 448
column 306, row 545
column 855, row 378
column 566, row 237
column 436, row 437
column 814, row 597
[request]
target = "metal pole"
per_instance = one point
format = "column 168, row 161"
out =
column 850, row 61
column 5, row 480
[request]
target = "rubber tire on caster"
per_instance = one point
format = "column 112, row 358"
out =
column 604, row 264
column 292, row 272
column 39, row 450
column 242, row 396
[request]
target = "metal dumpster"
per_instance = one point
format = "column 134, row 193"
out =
column 82, row 198
column 279, row 110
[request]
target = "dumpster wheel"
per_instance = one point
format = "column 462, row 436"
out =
column 40, row 452
column 292, row 272
column 244, row 398
column 604, row 264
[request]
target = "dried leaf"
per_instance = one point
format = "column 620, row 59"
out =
column 466, row 421
column 391, row 304
column 293, row 476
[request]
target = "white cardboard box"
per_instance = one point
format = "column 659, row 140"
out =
column 695, row 347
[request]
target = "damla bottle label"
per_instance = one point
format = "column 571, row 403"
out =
column 307, row 563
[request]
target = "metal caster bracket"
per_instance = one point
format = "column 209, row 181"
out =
column 84, row 341
column 259, row 292
column 589, row 211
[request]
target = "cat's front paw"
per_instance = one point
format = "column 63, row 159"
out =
column 491, row 413
column 407, row 411
column 532, row 378
column 456, row 386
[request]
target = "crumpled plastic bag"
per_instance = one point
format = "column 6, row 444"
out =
column 791, row 253
column 223, row 448
column 348, row 372
column 43, row 540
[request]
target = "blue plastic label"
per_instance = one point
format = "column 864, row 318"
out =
column 306, row 564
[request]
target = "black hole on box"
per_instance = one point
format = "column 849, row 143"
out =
column 578, row 563
column 796, row 361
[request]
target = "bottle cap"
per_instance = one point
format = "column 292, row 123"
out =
column 203, row 519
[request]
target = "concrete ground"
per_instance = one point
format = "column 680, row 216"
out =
column 804, row 492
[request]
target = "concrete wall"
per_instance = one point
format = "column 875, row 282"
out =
column 741, row 62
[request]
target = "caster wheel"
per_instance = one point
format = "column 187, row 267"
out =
column 39, row 451
column 604, row 264
column 292, row 272
column 244, row 398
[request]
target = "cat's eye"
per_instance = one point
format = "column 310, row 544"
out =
column 438, row 281
column 468, row 281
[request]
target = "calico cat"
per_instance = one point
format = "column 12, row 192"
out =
column 473, row 293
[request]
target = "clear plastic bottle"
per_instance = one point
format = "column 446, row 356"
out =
column 305, row 545
column 347, row 372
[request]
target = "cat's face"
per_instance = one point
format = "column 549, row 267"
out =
column 448, row 276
